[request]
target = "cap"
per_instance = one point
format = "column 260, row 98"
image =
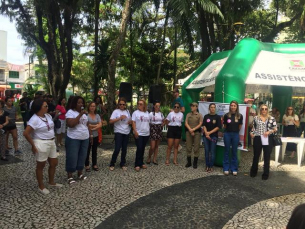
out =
column 194, row 104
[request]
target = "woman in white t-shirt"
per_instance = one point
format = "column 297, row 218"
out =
column 40, row 134
column 77, row 139
column 140, row 126
column 290, row 122
column 174, row 121
column 156, row 124
column 121, row 119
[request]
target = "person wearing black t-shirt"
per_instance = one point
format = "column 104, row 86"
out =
column 211, row 125
column 3, row 122
column 232, row 122
column 24, row 103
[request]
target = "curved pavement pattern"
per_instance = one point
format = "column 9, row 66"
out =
column 212, row 201
column 158, row 197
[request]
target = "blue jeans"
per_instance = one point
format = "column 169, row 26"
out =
column 209, row 148
column 76, row 153
column 121, row 141
column 230, row 139
column 141, row 142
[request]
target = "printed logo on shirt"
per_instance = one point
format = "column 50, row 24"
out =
column 208, row 120
column 229, row 121
column 214, row 121
column 83, row 121
column 144, row 119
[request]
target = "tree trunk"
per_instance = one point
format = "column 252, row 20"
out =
column 163, row 44
column 114, row 56
column 96, row 29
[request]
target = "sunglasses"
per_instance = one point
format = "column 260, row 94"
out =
column 140, row 104
column 290, row 109
column 193, row 106
column 264, row 109
column 45, row 106
column 176, row 107
column 122, row 104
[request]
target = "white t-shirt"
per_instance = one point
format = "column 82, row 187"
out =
column 121, row 126
column 175, row 119
column 80, row 131
column 289, row 119
column 142, row 122
column 157, row 118
column 43, row 127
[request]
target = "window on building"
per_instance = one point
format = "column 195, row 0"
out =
column 2, row 75
column 14, row 74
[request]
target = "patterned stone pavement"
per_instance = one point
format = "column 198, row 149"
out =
column 100, row 200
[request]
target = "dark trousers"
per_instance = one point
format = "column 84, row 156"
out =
column 257, row 149
column 121, row 141
column 141, row 142
column 24, row 118
column 94, row 151
column 290, row 131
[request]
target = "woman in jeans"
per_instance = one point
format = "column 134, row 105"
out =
column 141, row 131
column 121, row 119
column 156, row 124
column 264, row 126
column 77, row 139
column 40, row 134
column 211, row 125
column 95, row 123
column 11, row 128
column 232, row 122
column 193, row 123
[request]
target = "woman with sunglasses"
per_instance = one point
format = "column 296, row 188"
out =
column 193, row 123
column 40, row 134
column 290, row 123
column 77, row 139
column 156, row 124
column 174, row 121
column 121, row 120
column 232, row 122
column 11, row 128
column 141, row 131
column 95, row 123
column 211, row 125
column 264, row 126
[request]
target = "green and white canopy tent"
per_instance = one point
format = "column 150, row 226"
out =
column 252, row 66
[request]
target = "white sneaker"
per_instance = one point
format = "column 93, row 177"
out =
column 56, row 185
column 44, row 191
column 226, row 173
column 234, row 173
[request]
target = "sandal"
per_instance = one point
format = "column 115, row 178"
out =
column 82, row 177
column 176, row 163
column 88, row 170
column 137, row 168
column 71, row 180
column 167, row 163
column 124, row 168
column 143, row 167
column 111, row 168
column 155, row 163
column 95, row 168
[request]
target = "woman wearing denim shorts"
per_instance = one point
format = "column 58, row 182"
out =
column 77, row 139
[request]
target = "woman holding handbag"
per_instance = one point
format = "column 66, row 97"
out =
column 264, row 126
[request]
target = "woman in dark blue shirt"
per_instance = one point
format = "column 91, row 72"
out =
column 211, row 125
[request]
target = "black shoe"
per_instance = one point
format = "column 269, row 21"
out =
column 265, row 177
column 195, row 162
column 252, row 173
column 189, row 162
column 4, row 159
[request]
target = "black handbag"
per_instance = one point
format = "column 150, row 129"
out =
column 277, row 141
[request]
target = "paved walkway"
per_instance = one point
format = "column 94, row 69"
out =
column 159, row 197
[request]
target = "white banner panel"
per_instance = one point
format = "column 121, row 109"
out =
column 221, row 109
column 208, row 75
column 280, row 69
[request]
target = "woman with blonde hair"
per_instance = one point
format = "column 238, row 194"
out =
column 141, row 131
column 264, row 126
column 232, row 122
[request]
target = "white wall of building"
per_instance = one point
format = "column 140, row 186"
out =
column 3, row 45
